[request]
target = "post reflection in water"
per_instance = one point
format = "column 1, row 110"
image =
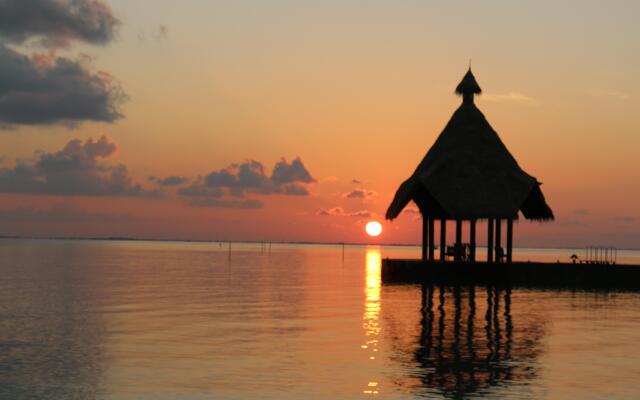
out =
column 457, row 359
column 371, row 323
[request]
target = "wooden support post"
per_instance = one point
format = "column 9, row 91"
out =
column 509, row 240
column 490, row 240
column 458, row 239
column 425, row 235
column 431, row 238
column 472, row 240
column 498, row 240
column 443, row 238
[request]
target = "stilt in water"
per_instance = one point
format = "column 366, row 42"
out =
column 443, row 238
column 431, row 239
column 490, row 240
column 498, row 240
column 509, row 240
column 472, row 240
column 458, row 256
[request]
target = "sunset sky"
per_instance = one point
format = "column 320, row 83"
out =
column 297, row 120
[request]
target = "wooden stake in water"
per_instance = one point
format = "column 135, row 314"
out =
column 229, row 250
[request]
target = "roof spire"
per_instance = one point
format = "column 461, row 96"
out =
column 468, row 86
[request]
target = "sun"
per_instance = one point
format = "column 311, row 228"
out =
column 373, row 228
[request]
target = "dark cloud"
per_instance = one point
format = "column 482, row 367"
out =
column 55, row 23
column 169, row 180
column 41, row 89
column 241, row 177
column 60, row 213
column 227, row 187
column 341, row 212
column 356, row 181
column 284, row 172
column 77, row 169
column 45, row 89
column 360, row 194
column 201, row 195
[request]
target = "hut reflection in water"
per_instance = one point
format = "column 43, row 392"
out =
column 467, row 348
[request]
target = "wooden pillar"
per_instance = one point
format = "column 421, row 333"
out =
column 509, row 240
column 490, row 240
column 498, row 239
column 425, row 236
column 443, row 238
column 472, row 240
column 458, row 239
column 431, row 238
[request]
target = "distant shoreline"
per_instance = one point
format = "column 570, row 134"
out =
column 133, row 239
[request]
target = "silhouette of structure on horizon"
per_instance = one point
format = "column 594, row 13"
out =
column 469, row 175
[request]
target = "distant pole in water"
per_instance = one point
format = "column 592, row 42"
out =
column 269, row 248
column 342, row 251
column 229, row 249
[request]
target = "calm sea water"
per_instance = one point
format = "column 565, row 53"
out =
column 151, row 320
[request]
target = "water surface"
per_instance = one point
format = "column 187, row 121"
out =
column 163, row 320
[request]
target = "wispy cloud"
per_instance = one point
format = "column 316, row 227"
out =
column 341, row 212
column 360, row 194
column 511, row 97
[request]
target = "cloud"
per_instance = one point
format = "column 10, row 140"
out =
column 581, row 211
column 57, row 22
column 173, row 180
column 511, row 97
column 45, row 89
column 411, row 210
column 360, row 194
column 60, row 213
column 288, row 173
column 356, row 181
column 341, row 212
column 225, row 187
column 77, row 169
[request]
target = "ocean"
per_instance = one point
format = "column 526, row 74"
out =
column 184, row 320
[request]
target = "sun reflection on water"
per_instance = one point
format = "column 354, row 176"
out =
column 370, row 318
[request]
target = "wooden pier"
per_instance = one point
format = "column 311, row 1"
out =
column 515, row 274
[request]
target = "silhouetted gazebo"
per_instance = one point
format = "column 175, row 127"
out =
column 469, row 175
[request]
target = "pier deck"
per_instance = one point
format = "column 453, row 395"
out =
column 517, row 274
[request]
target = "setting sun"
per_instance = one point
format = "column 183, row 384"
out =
column 373, row 228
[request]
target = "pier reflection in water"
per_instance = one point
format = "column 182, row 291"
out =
column 468, row 343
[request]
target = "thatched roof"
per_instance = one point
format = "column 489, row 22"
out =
column 469, row 174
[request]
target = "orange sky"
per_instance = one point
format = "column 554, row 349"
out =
column 356, row 90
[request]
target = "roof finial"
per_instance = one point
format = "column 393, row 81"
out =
column 468, row 87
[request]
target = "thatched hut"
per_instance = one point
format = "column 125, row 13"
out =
column 469, row 175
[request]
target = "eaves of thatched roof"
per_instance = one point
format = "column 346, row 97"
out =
column 469, row 174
